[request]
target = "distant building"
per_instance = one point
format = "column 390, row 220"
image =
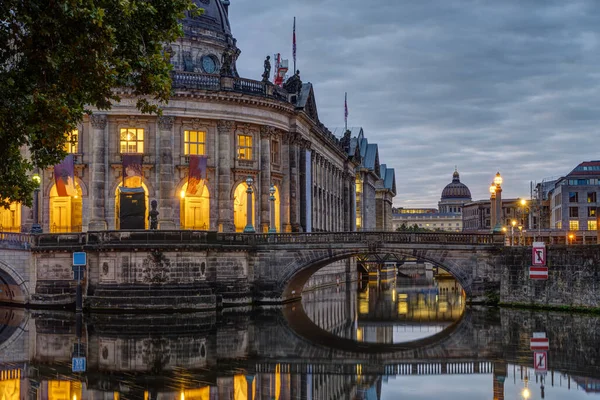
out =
column 574, row 199
column 449, row 216
column 477, row 215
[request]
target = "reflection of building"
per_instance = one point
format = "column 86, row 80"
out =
column 447, row 218
column 241, row 128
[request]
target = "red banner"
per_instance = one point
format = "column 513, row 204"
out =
column 64, row 177
column 197, row 175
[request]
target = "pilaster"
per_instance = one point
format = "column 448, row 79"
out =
column 265, row 176
column 166, row 172
column 225, row 131
column 98, row 172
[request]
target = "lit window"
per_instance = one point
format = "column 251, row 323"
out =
column 591, row 197
column 574, row 225
column 194, row 143
column 132, row 140
column 558, row 224
column 592, row 226
column 72, row 143
column 591, row 211
column 245, row 147
column 275, row 152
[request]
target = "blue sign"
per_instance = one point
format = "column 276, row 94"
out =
column 78, row 364
column 79, row 259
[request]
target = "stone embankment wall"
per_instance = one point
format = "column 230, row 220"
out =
column 573, row 277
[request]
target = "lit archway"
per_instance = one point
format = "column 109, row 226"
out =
column 10, row 218
column 66, row 212
column 195, row 209
column 240, row 207
column 117, row 205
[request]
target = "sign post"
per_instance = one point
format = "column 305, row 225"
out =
column 79, row 263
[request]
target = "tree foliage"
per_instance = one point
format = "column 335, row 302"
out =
column 60, row 57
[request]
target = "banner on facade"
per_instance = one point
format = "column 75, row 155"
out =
column 64, row 177
column 132, row 170
column 196, row 175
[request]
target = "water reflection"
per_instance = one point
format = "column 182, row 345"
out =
column 391, row 311
column 243, row 355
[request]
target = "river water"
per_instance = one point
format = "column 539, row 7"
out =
column 405, row 338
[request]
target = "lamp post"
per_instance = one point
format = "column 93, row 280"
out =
column 493, row 206
column 249, row 228
column 36, row 227
column 571, row 237
column 498, row 183
column 512, row 232
column 521, row 241
column 272, row 228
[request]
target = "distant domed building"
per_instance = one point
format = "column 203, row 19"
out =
column 454, row 196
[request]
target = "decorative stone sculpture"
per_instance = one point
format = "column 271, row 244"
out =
column 226, row 61
column 153, row 215
column 267, row 73
column 293, row 84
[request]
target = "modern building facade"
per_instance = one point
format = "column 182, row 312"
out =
column 266, row 158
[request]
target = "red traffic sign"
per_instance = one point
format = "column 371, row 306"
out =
column 539, row 343
column 538, row 253
column 538, row 273
column 540, row 361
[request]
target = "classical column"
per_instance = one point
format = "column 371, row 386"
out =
column 294, row 168
column 166, row 173
column 225, row 154
column 265, row 176
column 285, row 184
column 98, row 173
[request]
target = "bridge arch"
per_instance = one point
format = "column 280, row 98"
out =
column 13, row 288
column 13, row 324
column 464, row 265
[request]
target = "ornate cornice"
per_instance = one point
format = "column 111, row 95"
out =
column 225, row 126
column 98, row 121
column 165, row 123
column 267, row 132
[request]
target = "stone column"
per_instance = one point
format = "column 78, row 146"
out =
column 285, row 184
column 166, row 173
column 265, row 177
column 294, row 169
column 98, row 173
column 226, row 130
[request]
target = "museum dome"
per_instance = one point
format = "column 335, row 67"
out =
column 456, row 189
column 215, row 18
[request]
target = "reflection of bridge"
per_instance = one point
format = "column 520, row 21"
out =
column 259, row 267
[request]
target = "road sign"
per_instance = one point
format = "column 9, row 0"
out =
column 539, row 253
column 540, row 361
column 78, row 364
column 538, row 273
column 79, row 259
column 539, row 343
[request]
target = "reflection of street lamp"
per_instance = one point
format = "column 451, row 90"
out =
column 571, row 237
column 512, row 232
column 36, row 227
column 272, row 229
column 249, row 228
column 525, row 392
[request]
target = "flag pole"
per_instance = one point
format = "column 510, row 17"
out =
column 294, row 44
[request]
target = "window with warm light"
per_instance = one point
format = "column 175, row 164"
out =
column 132, row 140
column 194, row 143
column 591, row 197
column 591, row 211
column 574, row 225
column 245, row 147
column 592, row 225
column 72, row 143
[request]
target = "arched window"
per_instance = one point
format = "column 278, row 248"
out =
column 240, row 207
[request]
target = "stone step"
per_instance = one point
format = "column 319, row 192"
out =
column 141, row 303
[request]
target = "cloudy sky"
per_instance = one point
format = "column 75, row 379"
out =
column 486, row 85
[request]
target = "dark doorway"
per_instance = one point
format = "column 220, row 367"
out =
column 132, row 208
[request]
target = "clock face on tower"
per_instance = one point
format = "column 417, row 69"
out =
column 208, row 65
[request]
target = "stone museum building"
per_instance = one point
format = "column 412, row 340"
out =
column 260, row 155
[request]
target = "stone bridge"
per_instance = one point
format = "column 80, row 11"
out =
column 193, row 269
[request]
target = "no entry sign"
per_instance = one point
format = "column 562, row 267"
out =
column 538, row 273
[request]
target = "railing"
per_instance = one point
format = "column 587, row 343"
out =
column 193, row 80
column 64, row 229
column 249, row 86
column 192, row 237
column 13, row 239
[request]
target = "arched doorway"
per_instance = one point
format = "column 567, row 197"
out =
column 10, row 218
column 195, row 209
column 66, row 212
column 277, row 205
column 240, row 207
column 117, row 205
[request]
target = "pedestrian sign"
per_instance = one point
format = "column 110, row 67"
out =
column 540, row 361
column 539, row 254
column 79, row 259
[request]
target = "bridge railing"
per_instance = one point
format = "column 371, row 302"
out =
column 188, row 237
column 15, row 239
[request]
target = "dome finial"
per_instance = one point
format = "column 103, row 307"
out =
column 455, row 175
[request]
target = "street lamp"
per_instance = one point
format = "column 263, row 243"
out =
column 498, row 211
column 36, row 227
column 571, row 237
column 493, row 205
column 521, row 241
column 249, row 228
column 512, row 232
column 272, row 228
